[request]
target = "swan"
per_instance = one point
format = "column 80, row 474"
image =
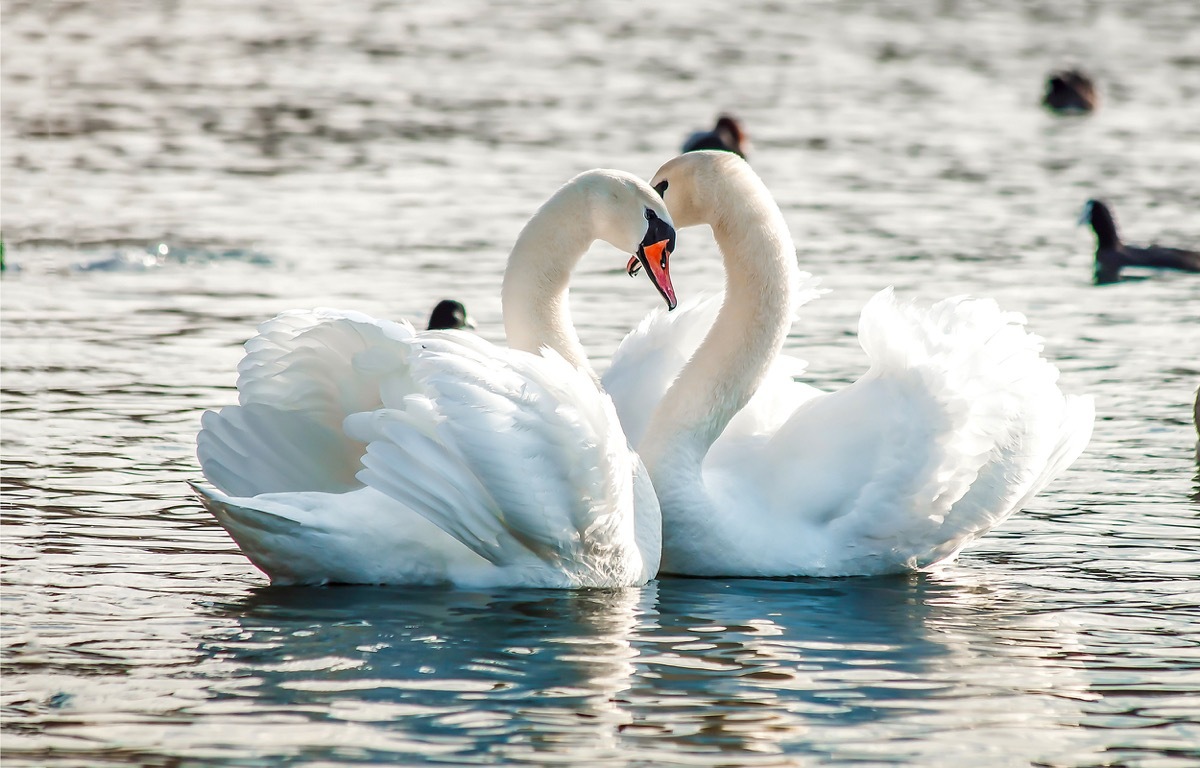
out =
column 363, row 451
column 956, row 425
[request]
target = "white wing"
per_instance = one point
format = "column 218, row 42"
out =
column 353, row 435
column 517, row 456
column 303, row 373
column 957, row 423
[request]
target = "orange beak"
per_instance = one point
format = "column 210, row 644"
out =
column 655, row 255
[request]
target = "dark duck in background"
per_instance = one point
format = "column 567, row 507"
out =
column 727, row 135
column 1112, row 255
column 1069, row 92
column 449, row 314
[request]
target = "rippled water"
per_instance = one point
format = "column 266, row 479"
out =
column 176, row 172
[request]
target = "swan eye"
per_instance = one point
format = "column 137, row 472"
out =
column 650, row 215
column 661, row 188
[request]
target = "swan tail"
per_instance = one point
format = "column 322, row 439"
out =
column 267, row 538
column 987, row 427
column 361, row 537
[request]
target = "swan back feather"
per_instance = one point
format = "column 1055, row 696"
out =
column 957, row 424
column 304, row 371
column 651, row 356
column 517, row 456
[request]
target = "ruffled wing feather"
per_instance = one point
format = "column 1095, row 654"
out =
column 517, row 456
column 958, row 423
column 303, row 373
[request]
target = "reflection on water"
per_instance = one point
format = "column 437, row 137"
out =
column 517, row 674
column 832, row 668
column 175, row 173
column 752, row 669
column 681, row 667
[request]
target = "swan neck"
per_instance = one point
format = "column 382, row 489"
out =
column 534, row 293
column 731, row 362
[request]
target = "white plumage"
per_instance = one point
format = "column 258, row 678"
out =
column 363, row 451
column 956, row 424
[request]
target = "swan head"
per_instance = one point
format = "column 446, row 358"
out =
column 630, row 215
column 654, row 253
column 691, row 185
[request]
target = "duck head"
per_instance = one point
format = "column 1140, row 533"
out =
column 1097, row 214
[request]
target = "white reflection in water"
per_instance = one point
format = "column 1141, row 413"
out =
column 746, row 668
column 843, row 667
column 518, row 674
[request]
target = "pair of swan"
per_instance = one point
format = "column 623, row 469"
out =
column 363, row 451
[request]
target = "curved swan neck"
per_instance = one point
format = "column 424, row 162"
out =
column 729, row 365
column 534, row 293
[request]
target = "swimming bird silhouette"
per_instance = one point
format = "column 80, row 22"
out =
column 727, row 135
column 1069, row 92
column 1112, row 255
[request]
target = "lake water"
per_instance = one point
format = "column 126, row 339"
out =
column 176, row 172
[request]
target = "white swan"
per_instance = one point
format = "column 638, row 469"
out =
column 363, row 451
column 957, row 423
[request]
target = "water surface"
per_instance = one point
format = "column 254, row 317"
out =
column 174, row 173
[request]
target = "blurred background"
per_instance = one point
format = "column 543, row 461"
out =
column 175, row 172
